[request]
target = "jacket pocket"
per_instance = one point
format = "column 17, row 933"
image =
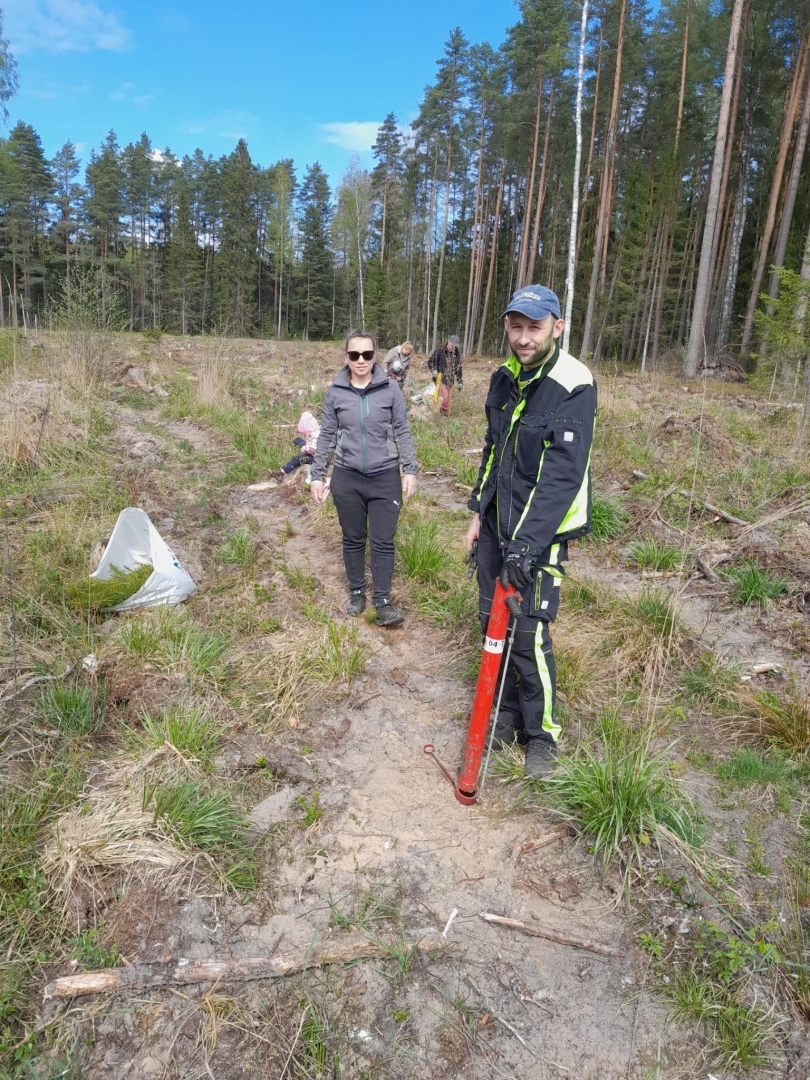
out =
column 530, row 444
column 545, row 599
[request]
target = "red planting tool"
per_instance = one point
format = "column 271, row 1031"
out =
column 505, row 605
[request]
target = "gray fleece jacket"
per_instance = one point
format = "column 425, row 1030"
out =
column 365, row 430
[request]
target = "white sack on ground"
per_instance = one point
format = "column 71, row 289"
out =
column 136, row 542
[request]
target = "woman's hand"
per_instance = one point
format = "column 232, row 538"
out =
column 408, row 485
column 473, row 531
column 318, row 493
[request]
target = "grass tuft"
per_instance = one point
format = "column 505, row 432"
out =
column 101, row 594
column 74, row 710
column 608, row 516
column 752, row 583
column 622, row 799
column 239, row 549
column 189, row 729
column 422, row 552
column 650, row 554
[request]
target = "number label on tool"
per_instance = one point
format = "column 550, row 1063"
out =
column 494, row 645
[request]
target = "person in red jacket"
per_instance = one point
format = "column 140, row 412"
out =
column 446, row 361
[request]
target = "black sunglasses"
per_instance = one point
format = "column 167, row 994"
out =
column 355, row 356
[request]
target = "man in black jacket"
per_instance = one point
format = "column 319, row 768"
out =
column 532, row 496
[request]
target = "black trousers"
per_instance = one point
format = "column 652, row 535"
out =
column 297, row 461
column 368, row 504
column 530, row 686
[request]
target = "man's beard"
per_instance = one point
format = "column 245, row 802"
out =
column 539, row 356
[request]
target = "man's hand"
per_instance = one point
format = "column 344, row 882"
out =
column 459, row 385
column 473, row 531
column 318, row 493
column 517, row 566
column 408, row 485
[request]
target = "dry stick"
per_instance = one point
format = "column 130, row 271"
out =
column 544, row 840
column 183, row 972
column 639, row 475
column 34, row 680
column 551, row 935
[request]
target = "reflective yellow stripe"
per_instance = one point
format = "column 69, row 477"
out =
column 549, row 724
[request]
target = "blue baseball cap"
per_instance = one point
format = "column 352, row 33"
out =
column 535, row 302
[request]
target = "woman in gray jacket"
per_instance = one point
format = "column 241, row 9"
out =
column 363, row 424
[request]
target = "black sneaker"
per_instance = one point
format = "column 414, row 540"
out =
column 541, row 759
column 387, row 614
column 279, row 474
column 357, row 602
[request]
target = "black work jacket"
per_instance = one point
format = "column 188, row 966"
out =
column 535, row 470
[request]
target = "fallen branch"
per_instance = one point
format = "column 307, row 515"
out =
column 37, row 679
column 712, row 509
column 798, row 507
column 182, row 972
column 706, row 570
column 551, row 935
column 544, row 840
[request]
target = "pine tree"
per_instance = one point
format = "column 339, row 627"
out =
column 235, row 266
column 26, row 186
column 316, row 261
column 65, row 167
column 105, row 203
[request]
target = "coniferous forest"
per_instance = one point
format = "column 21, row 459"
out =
column 649, row 166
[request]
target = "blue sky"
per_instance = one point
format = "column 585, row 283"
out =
column 307, row 81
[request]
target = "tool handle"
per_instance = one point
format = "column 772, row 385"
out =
column 513, row 603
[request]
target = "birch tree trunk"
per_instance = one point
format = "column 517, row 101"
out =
column 572, row 236
column 773, row 202
column 695, row 351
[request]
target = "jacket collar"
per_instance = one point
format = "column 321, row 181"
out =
column 513, row 365
column 378, row 377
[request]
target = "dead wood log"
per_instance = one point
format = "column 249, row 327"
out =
column 706, row 570
column 167, row 973
column 551, row 935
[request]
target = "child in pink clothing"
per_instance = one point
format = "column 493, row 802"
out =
column 309, row 430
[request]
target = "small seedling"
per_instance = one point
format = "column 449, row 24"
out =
column 311, row 809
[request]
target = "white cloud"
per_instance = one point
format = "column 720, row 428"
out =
column 63, row 26
column 226, row 124
column 357, row 135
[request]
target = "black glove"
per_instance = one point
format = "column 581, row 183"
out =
column 434, row 376
column 517, row 566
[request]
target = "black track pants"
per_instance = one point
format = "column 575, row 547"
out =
column 368, row 504
column 530, row 687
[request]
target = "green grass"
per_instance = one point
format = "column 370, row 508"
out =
column 101, row 594
column 653, row 613
column 72, row 709
column 712, row 683
column 752, row 583
column 170, row 638
column 650, row 554
column 340, row 655
column 621, row 799
column 608, row 516
column 422, row 552
column 748, row 766
column 190, row 729
column 785, row 720
column 206, row 820
column 239, row 549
